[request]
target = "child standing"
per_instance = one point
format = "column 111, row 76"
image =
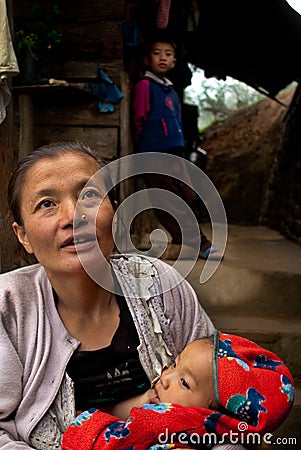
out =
column 158, row 128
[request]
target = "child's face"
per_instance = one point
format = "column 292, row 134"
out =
column 189, row 381
column 161, row 58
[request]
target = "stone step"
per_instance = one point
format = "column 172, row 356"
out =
column 256, row 290
column 260, row 275
column 282, row 336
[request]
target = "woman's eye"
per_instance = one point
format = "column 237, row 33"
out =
column 184, row 383
column 45, row 204
column 174, row 364
column 91, row 193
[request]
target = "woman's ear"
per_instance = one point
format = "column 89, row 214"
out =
column 115, row 219
column 22, row 237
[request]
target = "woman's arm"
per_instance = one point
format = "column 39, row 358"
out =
column 11, row 391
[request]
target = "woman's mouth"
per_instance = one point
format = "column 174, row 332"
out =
column 81, row 240
column 78, row 242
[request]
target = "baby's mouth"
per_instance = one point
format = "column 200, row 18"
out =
column 156, row 398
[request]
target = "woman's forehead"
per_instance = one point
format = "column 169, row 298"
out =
column 60, row 170
column 65, row 162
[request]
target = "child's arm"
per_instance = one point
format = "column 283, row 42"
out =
column 141, row 106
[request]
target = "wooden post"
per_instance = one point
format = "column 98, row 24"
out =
column 126, row 144
column 125, row 130
column 8, row 252
column 8, row 249
column 26, row 141
column 126, row 141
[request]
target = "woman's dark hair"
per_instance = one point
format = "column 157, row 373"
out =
column 47, row 151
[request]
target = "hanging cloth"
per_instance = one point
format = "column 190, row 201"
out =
column 106, row 91
column 163, row 14
column 8, row 60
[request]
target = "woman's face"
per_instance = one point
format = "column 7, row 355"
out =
column 50, row 193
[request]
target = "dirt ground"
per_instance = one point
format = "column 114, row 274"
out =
column 241, row 152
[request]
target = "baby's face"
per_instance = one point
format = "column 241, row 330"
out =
column 189, row 381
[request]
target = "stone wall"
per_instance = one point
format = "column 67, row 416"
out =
column 254, row 162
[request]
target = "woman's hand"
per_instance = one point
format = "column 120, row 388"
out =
column 122, row 409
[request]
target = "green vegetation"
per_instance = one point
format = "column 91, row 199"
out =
column 38, row 34
column 218, row 99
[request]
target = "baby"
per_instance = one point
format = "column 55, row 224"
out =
column 212, row 387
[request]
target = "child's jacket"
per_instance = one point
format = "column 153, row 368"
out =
column 157, row 117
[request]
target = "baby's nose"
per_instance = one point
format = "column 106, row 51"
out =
column 165, row 379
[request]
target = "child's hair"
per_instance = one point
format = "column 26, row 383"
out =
column 158, row 37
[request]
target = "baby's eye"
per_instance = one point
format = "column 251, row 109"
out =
column 185, row 384
column 45, row 204
column 174, row 364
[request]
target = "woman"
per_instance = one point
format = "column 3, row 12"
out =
column 59, row 327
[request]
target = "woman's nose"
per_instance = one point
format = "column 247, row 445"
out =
column 67, row 213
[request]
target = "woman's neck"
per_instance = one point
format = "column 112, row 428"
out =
column 78, row 292
column 89, row 312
